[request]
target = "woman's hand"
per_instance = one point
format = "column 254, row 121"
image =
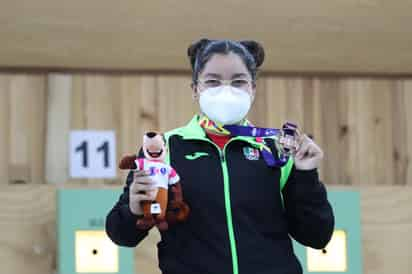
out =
column 142, row 189
column 308, row 154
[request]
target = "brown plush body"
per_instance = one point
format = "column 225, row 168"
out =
column 172, row 207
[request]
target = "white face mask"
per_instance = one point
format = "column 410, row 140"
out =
column 225, row 104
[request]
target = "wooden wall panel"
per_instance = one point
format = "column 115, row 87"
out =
column 27, row 221
column 400, row 129
column 146, row 261
column 327, row 36
column 352, row 120
column 382, row 130
column 78, row 104
column 4, row 130
column 386, row 226
column 408, row 125
column 19, row 131
column 260, row 106
column 362, row 124
column 58, row 127
column 276, row 95
column 126, row 104
column 394, row 256
column 96, row 105
column 175, row 102
column 328, row 91
column 27, row 97
column 402, row 132
column 138, row 113
column 369, row 130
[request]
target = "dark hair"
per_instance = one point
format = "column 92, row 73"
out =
column 251, row 52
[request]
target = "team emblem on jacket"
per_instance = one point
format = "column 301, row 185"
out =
column 251, row 153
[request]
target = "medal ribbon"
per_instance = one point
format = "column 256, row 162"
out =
column 249, row 130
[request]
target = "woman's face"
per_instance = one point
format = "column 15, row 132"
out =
column 226, row 67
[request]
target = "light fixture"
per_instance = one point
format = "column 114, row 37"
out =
column 333, row 258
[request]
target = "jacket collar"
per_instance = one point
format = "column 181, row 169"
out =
column 193, row 131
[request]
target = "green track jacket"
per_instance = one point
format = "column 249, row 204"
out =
column 243, row 213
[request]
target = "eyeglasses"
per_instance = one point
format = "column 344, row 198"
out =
column 213, row 83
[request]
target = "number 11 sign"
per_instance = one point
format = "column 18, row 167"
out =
column 92, row 154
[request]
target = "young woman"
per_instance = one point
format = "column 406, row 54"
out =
column 243, row 211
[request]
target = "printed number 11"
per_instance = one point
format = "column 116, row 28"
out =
column 83, row 147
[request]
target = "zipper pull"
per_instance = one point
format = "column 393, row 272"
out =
column 222, row 156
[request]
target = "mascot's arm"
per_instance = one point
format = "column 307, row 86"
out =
column 176, row 189
column 127, row 162
column 178, row 210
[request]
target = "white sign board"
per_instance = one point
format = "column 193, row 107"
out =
column 92, row 154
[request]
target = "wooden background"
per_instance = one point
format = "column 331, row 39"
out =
column 363, row 124
column 344, row 36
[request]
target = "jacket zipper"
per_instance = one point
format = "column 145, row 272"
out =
column 228, row 207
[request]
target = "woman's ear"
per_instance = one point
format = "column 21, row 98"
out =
column 195, row 93
column 253, row 91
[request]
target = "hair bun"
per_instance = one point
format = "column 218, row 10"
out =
column 194, row 49
column 256, row 50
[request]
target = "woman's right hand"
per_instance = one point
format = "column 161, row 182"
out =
column 142, row 189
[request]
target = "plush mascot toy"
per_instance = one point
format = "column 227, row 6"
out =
column 168, row 206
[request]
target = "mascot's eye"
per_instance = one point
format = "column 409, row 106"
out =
column 151, row 134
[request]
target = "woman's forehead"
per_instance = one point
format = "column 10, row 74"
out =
column 225, row 66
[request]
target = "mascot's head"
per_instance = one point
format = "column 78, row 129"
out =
column 154, row 146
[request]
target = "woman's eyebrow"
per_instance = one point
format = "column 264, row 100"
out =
column 239, row 75
column 213, row 75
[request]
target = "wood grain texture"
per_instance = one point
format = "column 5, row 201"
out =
column 386, row 225
column 362, row 124
column 175, row 102
column 58, row 127
column 258, row 113
column 28, row 215
column 402, row 133
column 4, row 129
column 96, row 106
column 276, row 95
column 19, row 129
column 27, row 127
column 27, row 220
column 400, row 136
column 138, row 113
column 382, row 120
column 395, row 256
column 146, row 255
column 78, row 104
column 38, row 122
column 408, row 101
column 317, row 36
column 329, row 112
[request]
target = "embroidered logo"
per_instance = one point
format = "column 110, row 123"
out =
column 155, row 170
column 251, row 153
column 196, row 155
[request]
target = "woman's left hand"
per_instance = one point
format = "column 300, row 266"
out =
column 308, row 154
